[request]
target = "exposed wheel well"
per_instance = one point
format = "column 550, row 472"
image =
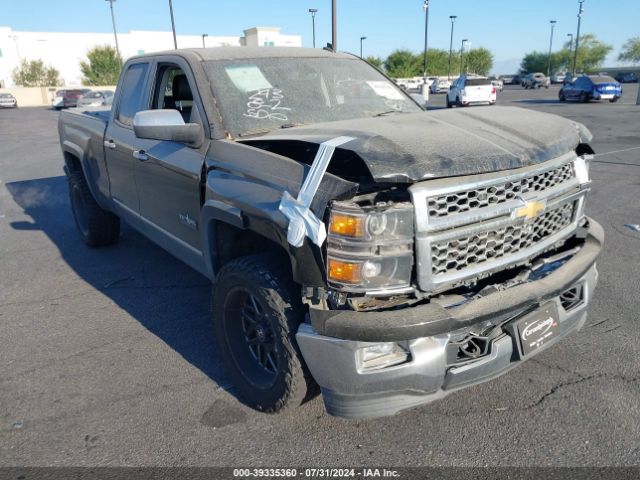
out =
column 231, row 242
column 72, row 162
column 584, row 149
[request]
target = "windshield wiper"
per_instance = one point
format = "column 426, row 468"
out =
column 389, row 112
column 291, row 125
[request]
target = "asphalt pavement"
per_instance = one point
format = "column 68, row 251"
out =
column 107, row 356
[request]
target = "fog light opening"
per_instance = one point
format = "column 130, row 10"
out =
column 382, row 355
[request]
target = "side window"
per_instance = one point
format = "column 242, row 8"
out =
column 132, row 96
column 172, row 91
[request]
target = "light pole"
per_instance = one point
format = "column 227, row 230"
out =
column 173, row 26
column 334, row 25
column 425, row 7
column 113, row 21
column 553, row 26
column 362, row 39
column 575, row 56
column 204, row 35
column 462, row 53
column 313, row 12
column 453, row 20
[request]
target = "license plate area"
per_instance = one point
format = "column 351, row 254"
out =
column 538, row 328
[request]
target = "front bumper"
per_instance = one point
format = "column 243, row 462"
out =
column 330, row 345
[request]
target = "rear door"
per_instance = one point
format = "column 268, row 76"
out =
column 120, row 140
column 168, row 173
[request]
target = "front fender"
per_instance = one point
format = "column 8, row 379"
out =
column 244, row 187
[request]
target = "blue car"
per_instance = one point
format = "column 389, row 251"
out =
column 591, row 87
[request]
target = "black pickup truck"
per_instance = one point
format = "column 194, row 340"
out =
column 355, row 242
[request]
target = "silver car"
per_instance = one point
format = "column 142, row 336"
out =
column 8, row 101
column 96, row 98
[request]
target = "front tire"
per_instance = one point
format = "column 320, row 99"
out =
column 584, row 98
column 257, row 311
column 97, row 226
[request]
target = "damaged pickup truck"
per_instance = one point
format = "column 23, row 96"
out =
column 354, row 241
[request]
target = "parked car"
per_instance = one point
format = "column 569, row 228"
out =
column 96, row 98
column 58, row 99
column 498, row 83
column 356, row 242
column 8, row 101
column 535, row 80
column 68, row 98
column 506, row 79
column 471, row 91
column 517, row 79
column 591, row 87
column 442, row 85
column 628, row 77
column 558, row 77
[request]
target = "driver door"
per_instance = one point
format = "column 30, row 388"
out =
column 168, row 173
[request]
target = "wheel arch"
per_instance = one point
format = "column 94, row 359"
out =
column 230, row 233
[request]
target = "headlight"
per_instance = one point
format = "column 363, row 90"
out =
column 370, row 249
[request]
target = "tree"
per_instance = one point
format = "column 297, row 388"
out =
column 103, row 67
column 630, row 51
column 478, row 61
column 403, row 64
column 438, row 62
column 34, row 73
column 375, row 61
column 591, row 54
column 537, row 62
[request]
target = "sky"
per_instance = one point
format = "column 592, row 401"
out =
column 509, row 28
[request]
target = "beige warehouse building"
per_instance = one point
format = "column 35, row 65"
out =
column 65, row 51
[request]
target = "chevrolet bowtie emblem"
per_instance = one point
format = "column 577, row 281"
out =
column 530, row 210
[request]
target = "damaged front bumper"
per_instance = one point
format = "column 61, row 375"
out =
column 332, row 344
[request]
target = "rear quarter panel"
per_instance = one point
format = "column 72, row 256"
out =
column 81, row 136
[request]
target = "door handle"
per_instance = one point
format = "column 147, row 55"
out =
column 140, row 155
column 110, row 144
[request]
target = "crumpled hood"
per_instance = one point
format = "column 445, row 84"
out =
column 444, row 143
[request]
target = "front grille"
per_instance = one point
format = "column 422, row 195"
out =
column 467, row 251
column 468, row 200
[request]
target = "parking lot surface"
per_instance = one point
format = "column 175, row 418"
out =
column 107, row 356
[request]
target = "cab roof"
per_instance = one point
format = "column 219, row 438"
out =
column 244, row 53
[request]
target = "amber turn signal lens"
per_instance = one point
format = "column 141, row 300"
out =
column 347, row 225
column 344, row 272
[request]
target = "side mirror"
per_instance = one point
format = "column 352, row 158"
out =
column 166, row 125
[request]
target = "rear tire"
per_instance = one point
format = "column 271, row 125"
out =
column 256, row 312
column 584, row 98
column 614, row 100
column 448, row 102
column 97, row 227
column 561, row 96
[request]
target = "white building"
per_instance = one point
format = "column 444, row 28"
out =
column 65, row 51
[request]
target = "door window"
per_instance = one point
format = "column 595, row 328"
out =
column 132, row 96
column 172, row 91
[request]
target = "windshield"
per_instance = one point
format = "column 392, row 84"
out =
column 5, row 95
column 602, row 79
column 259, row 95
column 93, row 95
